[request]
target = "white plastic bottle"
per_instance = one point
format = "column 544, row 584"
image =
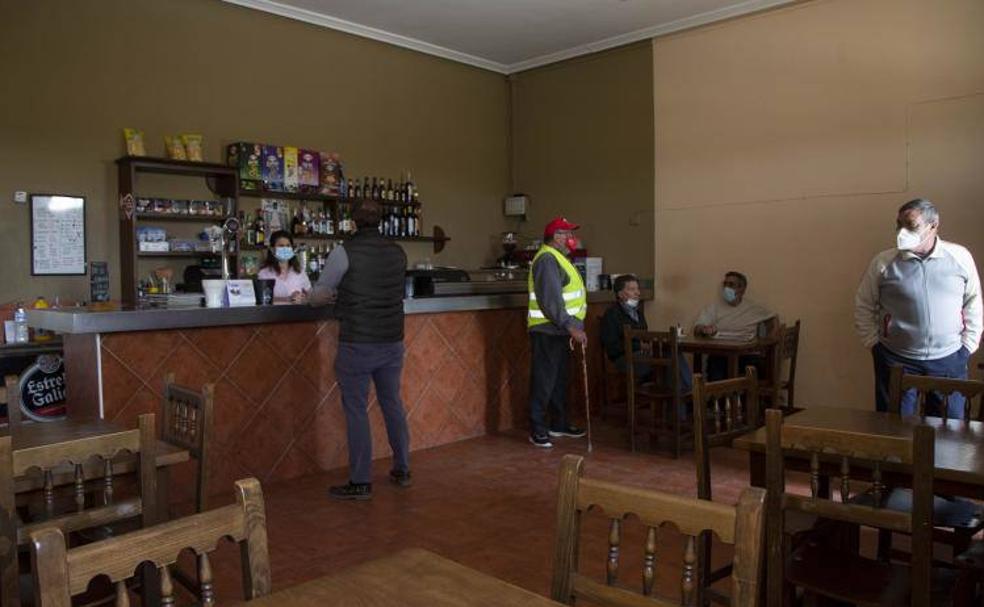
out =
column 20, row 325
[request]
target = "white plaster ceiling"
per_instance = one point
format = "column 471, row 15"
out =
column 509, row 35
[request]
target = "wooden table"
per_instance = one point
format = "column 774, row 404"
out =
column 410, row 578
column 732, row 349
column 959, row 445
column 36, row 435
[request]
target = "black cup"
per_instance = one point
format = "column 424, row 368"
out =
column 263, row 287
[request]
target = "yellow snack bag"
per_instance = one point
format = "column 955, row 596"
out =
column 134, row 142
column 175, row 150
column 193, row 146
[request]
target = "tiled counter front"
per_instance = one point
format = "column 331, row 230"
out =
column 278, row 410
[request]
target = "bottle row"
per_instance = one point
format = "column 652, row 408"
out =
column 381, row 189
column 396, row 221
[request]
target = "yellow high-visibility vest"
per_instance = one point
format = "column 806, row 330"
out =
column 575, row 295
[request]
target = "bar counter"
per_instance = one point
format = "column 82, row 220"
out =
column 278, row 411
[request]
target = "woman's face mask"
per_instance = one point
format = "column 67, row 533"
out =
column 283, row 253
column 632, row 303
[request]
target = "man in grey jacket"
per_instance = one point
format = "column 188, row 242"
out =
column 919, row 307
column 557, row 307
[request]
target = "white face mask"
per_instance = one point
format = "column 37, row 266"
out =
column 632, row 303
column 907, row 239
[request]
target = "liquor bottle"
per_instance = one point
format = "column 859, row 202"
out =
column 409, row 187
column 366, row 188
column 260, row 229
column 250, row 231
column 329, row 224
column 411, row 223
column 374, row 192
column 357, row 191
column 348, row 189
column 417, row 213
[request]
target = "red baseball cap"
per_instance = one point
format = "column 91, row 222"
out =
column 556, row 224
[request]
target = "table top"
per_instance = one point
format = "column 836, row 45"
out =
column 411, row 578
column 692, row 343
column 31, row 435
column 959, row 445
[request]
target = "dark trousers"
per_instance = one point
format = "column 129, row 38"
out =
column 953, row 366
column 717, row 366
column 355, row 365
column 550, row 366
column 644, row 372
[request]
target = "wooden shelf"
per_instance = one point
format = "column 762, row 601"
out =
column 148, row 164
column 318, row 198
column 175, row 254
column 181, row 217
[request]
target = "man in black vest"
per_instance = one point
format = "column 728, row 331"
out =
column 365, row 278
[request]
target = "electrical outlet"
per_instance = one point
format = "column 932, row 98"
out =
column 20, row 197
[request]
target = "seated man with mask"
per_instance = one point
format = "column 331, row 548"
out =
column 627, row 311
column 734, row 317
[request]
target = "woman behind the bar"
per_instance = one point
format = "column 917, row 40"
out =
column 282, row 265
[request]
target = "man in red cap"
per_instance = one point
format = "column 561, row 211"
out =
column 557, row 306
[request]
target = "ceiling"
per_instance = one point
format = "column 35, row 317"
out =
column 508, row 36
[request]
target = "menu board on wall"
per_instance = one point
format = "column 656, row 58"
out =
column 98, row 281
column 57, row 235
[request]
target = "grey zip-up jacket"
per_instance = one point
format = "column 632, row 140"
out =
column 924, row 309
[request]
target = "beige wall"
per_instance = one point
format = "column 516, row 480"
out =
column 583, row 148
column 76, row 73
column 786, row 141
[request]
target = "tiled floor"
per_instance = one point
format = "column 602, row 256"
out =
column 488, row 503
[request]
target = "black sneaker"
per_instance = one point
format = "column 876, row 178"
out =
column 351, row 491
column 401, row 478
column 571, row 431
column 541, row 440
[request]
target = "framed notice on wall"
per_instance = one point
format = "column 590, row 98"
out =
column 57, row 235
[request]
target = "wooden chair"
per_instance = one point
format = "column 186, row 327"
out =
column 78, row 517
column 64, row 573
column 610, row 378
column 818, row 566
column 9, row 395
column 901, row 382
column 955, row 520
column 660, row 352
column 741, row 526
column 187, row 423
column 786, row 349
column 723, row 411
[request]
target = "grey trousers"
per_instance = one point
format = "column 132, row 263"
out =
column 355, row 365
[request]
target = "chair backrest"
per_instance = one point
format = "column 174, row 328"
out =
column 723, row 411
column 62, row 573
column 901, row 382
column 187, row 423
column 786, row 349
column 10, row 396
column 741, row 526
column 831, row 452
column 657, row 349
column 141, row 442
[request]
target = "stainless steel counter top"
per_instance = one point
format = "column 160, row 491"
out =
column 84, row 320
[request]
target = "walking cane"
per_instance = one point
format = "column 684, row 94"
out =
column 587, row 400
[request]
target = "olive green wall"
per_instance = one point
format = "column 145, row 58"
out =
column 76, row 73
column 582, row 145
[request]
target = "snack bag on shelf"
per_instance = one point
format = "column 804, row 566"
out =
column 134, row 142
column 175, row 149
column 246, row 158
column 331, row 173
column 308, row 171
column 193, row 146
column 273, row 168
column 290, row 169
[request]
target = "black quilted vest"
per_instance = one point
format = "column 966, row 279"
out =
column 370, row 296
